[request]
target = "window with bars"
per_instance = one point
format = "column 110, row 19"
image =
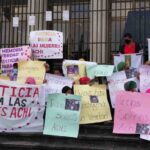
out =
column 94, row 30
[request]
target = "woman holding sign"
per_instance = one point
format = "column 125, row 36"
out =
column 129, row 46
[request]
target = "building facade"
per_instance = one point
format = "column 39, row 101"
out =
column 94, row 30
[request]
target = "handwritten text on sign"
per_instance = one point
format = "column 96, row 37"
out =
column 131, row 109
column 47, row 44
column 21, row 107
column 99, row 71
column 11, row 56
column 62, row 115
column 95, row 107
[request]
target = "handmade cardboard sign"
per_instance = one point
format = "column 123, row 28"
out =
column 21, row 107
column 144, row 78
column 46, row 44
column 62, row 115
column 75, row 69
column 95, row 107
column 11, row 56
column 131, row 61
column 99, row 71
column 56, row 83
column 132, row 113
column 117, row 83
column 31, row 72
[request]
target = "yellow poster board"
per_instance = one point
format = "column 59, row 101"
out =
column 94, row 103
column 33, row 70
column 4, row 77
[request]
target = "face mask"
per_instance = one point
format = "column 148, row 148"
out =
column 127, row 41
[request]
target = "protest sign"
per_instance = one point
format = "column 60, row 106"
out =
column 94, row 104
column 21, row 107
column 75, row 69
column 144, row 78
column 131, row 113
column 31, row 70
column 99, row 71
column 117, row 81
column 11, row 56
column 62, row 115
column 56, row 83
column 46, row 44
column 131, row 61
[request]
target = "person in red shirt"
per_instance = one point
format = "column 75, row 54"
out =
column 129, row 46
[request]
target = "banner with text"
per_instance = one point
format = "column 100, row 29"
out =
column 46, row 44
column 62, row 115
column 21, row 107
column 11, row 56
column 132, row 113
column 95, row 107
column 31, row 72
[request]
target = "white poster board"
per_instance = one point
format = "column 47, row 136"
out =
column 46, row 44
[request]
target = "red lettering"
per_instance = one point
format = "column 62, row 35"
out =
column 4, row 87
column 29, row 92
column 20, row 112
column 20, row 92
column 36, row 92
column 13, row 91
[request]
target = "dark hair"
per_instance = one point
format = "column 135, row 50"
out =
column 65, row 89
column 127, row 35
column 15, row 65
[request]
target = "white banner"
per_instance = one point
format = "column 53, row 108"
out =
column 21, row 107
column 46, row 44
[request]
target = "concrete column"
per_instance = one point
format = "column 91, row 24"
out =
column 98, row 30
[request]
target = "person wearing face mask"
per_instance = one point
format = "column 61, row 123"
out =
column 129, row 46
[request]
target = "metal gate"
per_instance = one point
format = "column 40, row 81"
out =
column 94, row 30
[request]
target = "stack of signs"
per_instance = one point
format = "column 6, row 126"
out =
column 95, row 107
column 31, row 72
column 144, row 78
column 132, row 113
column 131, row 61
column 56, row 83
column 62, row 115
column 46, row 44
column 99, row 71
column 21, row 107
column 117, row 82
column 11, row 56
column 75, row 69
